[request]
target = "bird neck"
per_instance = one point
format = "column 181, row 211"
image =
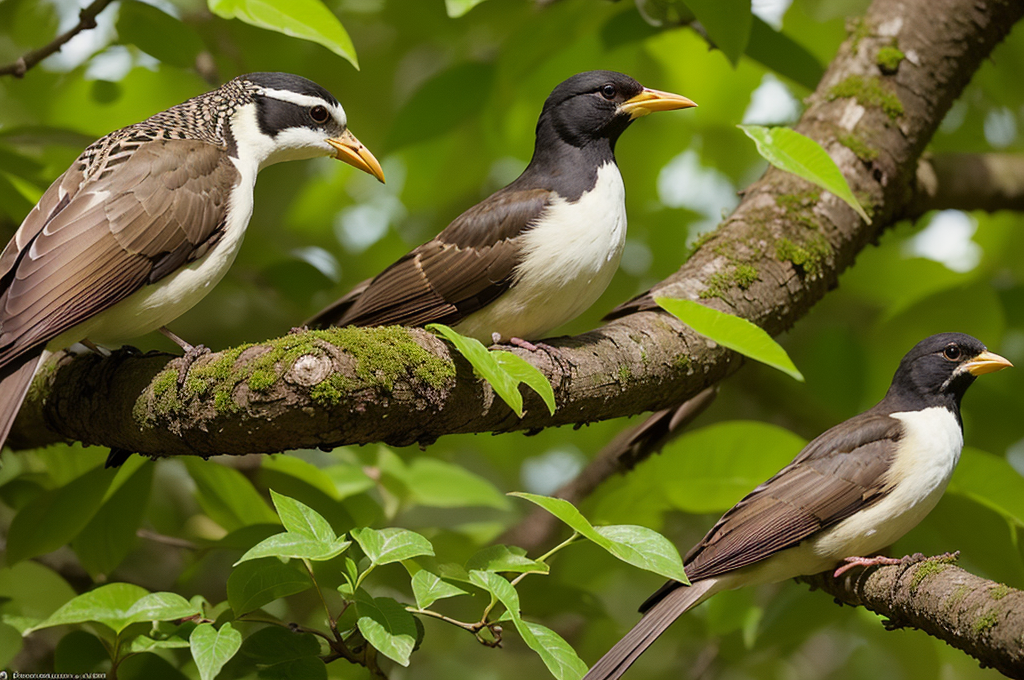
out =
column 568, row 167
column 905, row 396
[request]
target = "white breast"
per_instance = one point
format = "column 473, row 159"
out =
column 569, row 257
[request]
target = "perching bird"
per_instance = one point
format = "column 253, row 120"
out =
column 149, row 218
column 852, row 491
column 535, row 254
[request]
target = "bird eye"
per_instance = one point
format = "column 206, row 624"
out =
column 608, row 91
column 319, row 114
column 952, row 352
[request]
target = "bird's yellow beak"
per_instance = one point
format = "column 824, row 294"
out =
column 350, row 150
column 649, row 101
column 986, row 362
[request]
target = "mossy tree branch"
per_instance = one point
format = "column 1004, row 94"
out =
column 780, row 252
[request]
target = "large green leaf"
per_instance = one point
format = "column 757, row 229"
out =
column 110, row 534
column 288, row 544
column 384, row 546
column 118, row 605
column 733, row 332
column 274, row 645
column 212, row 648
column 227, row 496
column 791, row 151
column 55, row 517
column 523, row 371
column 784, row 55
column 727, row 23
column 486, row 366
column 256, row 583
column 639, row 546
column 299, row 518
column 386, row 625
column 504, row 558
column 158, row 34
column 991, row 481
column 438, row 484
column 305, row 19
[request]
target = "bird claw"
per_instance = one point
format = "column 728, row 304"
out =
column 192, row 354
column 876, row 561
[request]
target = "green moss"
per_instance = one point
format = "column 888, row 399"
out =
column 858, row 146
column 798, row 200
column 858, row 29
column 924, row 570
column 382, row 355
column 889, row 58
column 986, row 621
column 745, row 275
column 717, row 285
column 625, row 373
column 869, row 92
column 999, row 592
column 809, row 256
column 681, row 362
column 704, row 238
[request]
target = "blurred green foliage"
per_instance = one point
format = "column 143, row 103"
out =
column 447, row 97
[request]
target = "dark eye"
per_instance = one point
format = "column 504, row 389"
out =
column 608, row 91
column 952, row 352
column 319, row 114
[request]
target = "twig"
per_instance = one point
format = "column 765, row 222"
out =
column 172, row 541
column 86, row 21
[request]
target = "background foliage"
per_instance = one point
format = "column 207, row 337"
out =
column 447, row 98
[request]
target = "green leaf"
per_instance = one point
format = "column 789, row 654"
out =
column 733, row 332
column 10, row 644
column 432, row 110
column 158, row 34
column 386, row 625
column 305, row 19
column 31, row 592
column 52, row 519
column 438, row 484
column 227, row 496
column 504, row 558
column 287, row 544
column 299, row 518
column 782, row 54
column 791, row 151
column 523, row 371
column 254, row 584
column 274, row 645
column 727, row 23
column 639, row 546
column 429, row 588
column 212, row 648
column 486, row 366
column 117, row 606
column 306, row 668
column 991, row 481
column 110, row 534
column 456, row 8
column 393, row 544
column 556, row 654
column 144, row 643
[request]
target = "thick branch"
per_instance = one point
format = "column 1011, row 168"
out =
column 86, row 21
column 396, row 386
column 965, row 181
column 980, row 617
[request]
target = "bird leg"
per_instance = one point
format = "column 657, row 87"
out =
column 192, row 352
column 96, row 349
column 876, row 561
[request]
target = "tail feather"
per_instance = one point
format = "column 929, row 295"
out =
column 15, row 379
column 658, row 618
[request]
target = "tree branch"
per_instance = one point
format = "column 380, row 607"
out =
column 399, row 386
column 86, row 21
column 965, row 181
column 977, row 616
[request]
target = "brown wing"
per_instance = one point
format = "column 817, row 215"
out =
column 85, row 248
column 837, row 474
column 464, row 268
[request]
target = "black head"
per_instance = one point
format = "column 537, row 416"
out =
column 285, row 101
column 600, row 105
column 938, row 371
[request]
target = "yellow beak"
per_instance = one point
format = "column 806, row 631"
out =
column 350, row 150
column 986, row 362
column 650, row 101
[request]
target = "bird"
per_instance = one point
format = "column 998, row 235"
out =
column 535, row 254
column 150, row 217
column 850, row 492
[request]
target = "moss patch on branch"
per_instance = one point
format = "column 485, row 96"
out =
column 858, row 146
column 889, row 58
column 809, row 256
column 869, row 92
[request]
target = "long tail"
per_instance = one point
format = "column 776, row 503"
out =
column 15, row 379
column 659, row 617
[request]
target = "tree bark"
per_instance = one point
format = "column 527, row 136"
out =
column 403, row 386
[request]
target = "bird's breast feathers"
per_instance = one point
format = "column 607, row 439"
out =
column 567, row 259
column 926, row 456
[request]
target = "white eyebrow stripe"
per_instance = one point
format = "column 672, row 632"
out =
column 305, row 100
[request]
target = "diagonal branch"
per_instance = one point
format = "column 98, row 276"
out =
column 86, row 21
column 353, row 386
